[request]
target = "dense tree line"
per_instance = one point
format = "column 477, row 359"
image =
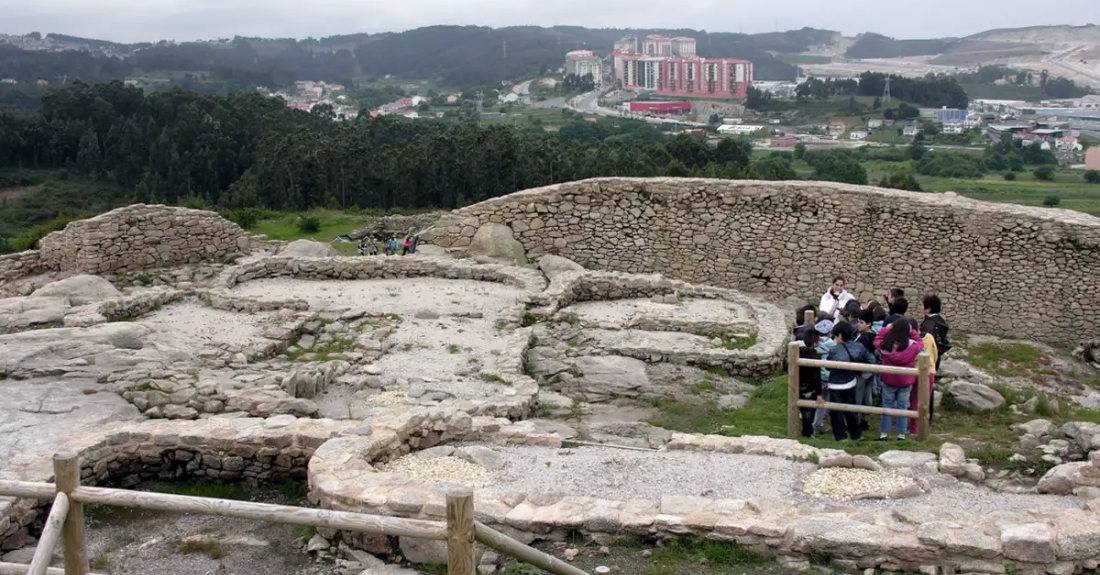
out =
column 246, row 150
column 931, row 91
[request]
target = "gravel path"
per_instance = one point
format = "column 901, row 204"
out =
column 621, row 475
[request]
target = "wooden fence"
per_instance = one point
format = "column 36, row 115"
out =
column 922, row 372
column 66, row 522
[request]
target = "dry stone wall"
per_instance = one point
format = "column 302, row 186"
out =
column 141, row 237
column 994, row 265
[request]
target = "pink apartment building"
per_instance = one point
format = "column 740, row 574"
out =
column 670, row 67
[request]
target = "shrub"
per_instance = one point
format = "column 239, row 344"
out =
column 1044, row 173
column 193, row 203
column 28, row 240
column 246, row 218
column 1092, row 177
column 309, row 224
column 1010, row 176
column 1051, row 201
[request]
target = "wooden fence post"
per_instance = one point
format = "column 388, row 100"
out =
column 794, row 423
column 66, row 470
column 924, row 392
column 460, row 532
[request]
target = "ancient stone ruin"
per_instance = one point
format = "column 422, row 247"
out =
column 381, row 381
column 993, row 264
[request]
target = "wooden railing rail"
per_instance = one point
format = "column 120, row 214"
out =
column 66, row 522
column 923, row 372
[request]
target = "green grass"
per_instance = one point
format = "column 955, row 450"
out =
column 738, row 341
column 679, row 550
column 1068, row 185
column 988, row 434
column 493, row 378
column 333, row 223
column 1008, row 359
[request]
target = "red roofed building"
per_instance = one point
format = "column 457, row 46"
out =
column 654, row 107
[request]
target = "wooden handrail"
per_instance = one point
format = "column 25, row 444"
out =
column 923, row 372
column 829, row 406
column 373, row 524
column 21, row 569
column 864, row 367
column 66, row 472
column 460, row 531
column 43, row 554
column 498, row 541
column 27, row 489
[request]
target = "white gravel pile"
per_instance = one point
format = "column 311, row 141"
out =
column 439, row 469
column 847, row 484
column 393, row 397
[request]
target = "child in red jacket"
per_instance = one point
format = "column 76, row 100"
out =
column 899, row 344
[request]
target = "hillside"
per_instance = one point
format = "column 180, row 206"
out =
column 456, row 55
column 873, row 45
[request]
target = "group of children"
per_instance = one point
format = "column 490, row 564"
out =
column 368, row 246
column 844, row 330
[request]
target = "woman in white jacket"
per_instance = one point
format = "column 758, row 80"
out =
column 835, row 298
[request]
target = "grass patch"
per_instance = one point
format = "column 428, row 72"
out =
column 529, row 319
column 211, row 548
column 99, row 562
column 454, row 348
column 986, row 436
column 305, row 532
column 493, row 378
column 1008, row 360
column 738, row 341
column 686, row 549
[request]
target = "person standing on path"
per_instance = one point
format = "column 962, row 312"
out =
column 843, row 384
column 899, row 344
column 835, row 298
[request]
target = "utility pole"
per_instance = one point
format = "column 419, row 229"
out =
column 505, row 48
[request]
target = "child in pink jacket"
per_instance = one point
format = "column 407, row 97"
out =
column 899, row 344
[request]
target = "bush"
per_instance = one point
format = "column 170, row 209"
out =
column 1092, row 177
column 1010, row 176
column 309, row 224
column 1051, row 201
column 28, row 240
column 192, row 203
column 1044, row 173
column 246, row 218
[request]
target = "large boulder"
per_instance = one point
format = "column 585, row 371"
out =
column 496, row 241
column 22, row 313
column 309, row 249
column 553, row 266
column 80, row 290
column 898, row 459
column 976, row 397
column 1063, row 479
column 605, row 376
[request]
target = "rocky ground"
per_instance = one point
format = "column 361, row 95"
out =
column 366, row 350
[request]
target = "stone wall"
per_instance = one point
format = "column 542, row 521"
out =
column 142, row 237
column 17, row 265
column 995, row 265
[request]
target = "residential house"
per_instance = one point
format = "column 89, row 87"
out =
column 911, row 131
column 836, row 128
column 42, row 83
column 452, row 99
column 8, row 81
column 954, row 127
column 1070, row 143
column 858, row 135
column 785, row 142
column 876, row 123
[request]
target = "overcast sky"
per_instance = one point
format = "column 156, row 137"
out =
column 144, row 20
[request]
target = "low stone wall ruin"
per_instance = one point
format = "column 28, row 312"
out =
column 992, row 264
column 140, row 237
